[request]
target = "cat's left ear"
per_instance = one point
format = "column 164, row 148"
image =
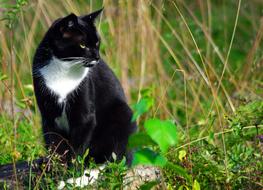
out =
column 90, row 18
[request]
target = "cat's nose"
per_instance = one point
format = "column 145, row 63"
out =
column 97, row 56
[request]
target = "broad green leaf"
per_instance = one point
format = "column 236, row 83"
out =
column 196, row 185
column 182, row 154
column 140, row 139
column 164, row 133
column 148, row 157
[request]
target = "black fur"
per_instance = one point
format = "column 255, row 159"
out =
column 98, row 115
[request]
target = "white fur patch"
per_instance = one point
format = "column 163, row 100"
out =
column 89, row 177
column 62, row 121
column 63, row 77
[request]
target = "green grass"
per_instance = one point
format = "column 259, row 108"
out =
column 195, row 63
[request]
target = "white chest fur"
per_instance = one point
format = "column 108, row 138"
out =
column 63, row 77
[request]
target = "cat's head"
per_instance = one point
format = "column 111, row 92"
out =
column 76, row 37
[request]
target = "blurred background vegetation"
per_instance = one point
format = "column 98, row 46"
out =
column 199, row 63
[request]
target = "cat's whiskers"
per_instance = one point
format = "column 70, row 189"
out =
column 73, row 58
column 73, row 61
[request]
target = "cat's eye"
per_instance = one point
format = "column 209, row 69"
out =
column 82, row 46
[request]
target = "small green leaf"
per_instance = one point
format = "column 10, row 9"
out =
column 79, row 159
column 148, row 157
column 29, row 87
column 123, row 162
column 164, row 133
column 114, row 156
column 182, row 154
column 196, row 185
column 147, row 92
column 140, row 139
column 212, row 135
column 141, row 107
column 211, row 138
column 86, row 154
column 3, row 77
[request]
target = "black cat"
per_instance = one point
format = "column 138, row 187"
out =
column 81, row 101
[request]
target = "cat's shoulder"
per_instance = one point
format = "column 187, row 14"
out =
column 102, row 69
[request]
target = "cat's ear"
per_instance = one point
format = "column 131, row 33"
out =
column 90, row 18
column 66, row 22
column 69, row 21
column 63, row 25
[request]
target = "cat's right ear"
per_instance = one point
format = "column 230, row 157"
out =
column 66, row 22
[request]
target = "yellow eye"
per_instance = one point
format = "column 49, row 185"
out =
column 82, row 46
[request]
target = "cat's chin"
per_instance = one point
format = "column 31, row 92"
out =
column 91, row 64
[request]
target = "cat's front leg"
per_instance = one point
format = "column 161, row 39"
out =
column 56, row 140
column 81, row 133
